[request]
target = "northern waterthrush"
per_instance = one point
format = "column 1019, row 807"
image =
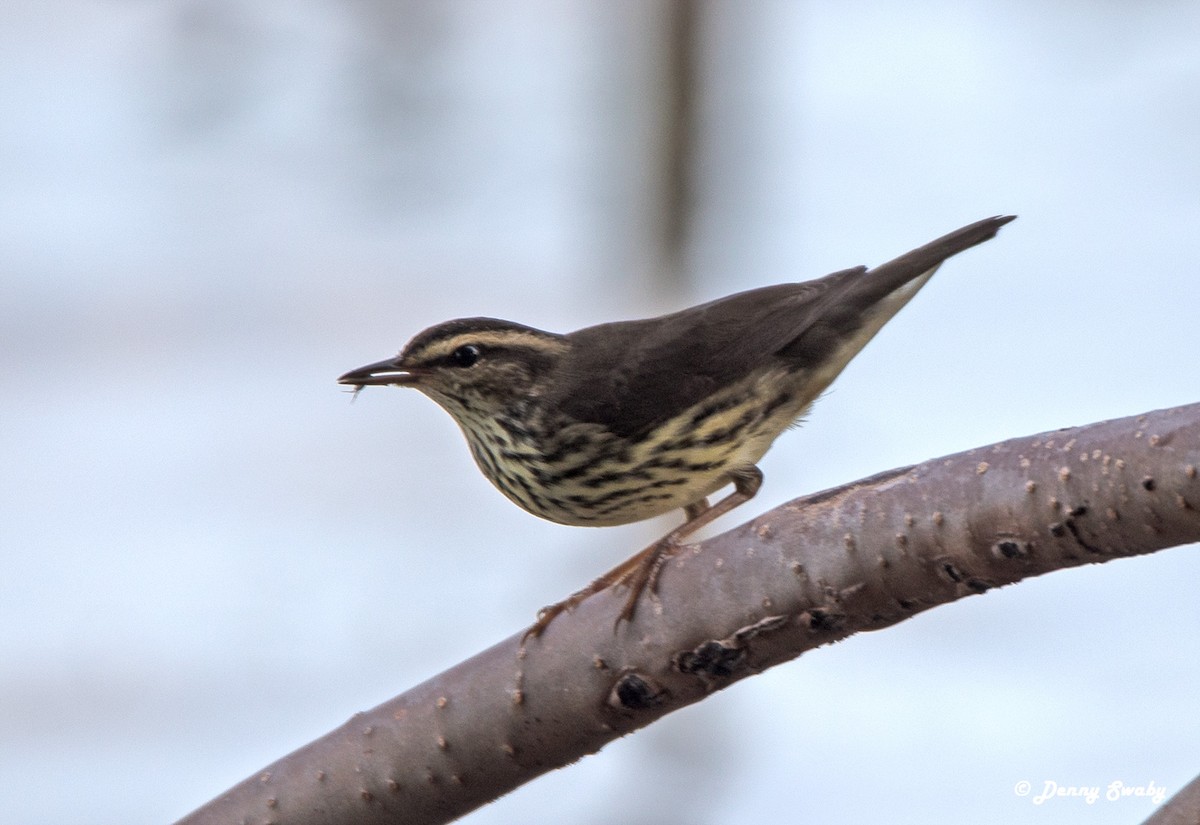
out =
column 620, row 422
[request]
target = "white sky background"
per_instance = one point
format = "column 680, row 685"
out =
column 211, row 210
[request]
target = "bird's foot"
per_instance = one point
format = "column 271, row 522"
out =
column 639, row 573
column 643, row 575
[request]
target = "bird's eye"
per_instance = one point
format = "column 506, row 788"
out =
column 466, row 355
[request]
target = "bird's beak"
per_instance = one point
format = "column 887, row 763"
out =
column 381, row 373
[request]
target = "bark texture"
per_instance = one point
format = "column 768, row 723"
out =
column 1181, row 809
column 813, row 571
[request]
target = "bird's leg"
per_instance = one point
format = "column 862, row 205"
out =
column 643, row 569
column 694, row 510
column 618, row 574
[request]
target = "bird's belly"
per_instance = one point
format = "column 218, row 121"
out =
column 594, row 479
column 590, row 477
column 643, row 490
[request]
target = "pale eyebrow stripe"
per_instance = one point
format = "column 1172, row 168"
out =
column 514, row 338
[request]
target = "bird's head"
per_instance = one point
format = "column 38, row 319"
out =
column 475, row 368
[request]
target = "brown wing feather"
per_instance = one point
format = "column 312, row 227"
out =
column 632, row 375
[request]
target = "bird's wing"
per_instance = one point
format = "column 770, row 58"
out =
column 631, row 376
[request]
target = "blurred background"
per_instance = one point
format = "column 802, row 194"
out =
column 212, row 209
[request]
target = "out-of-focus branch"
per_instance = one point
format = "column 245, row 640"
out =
column 680, row 89
column 813, row 571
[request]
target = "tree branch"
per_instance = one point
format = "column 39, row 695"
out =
column 813, row 571
column 1181, row 809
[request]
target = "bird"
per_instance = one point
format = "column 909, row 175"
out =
column 620, row 422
